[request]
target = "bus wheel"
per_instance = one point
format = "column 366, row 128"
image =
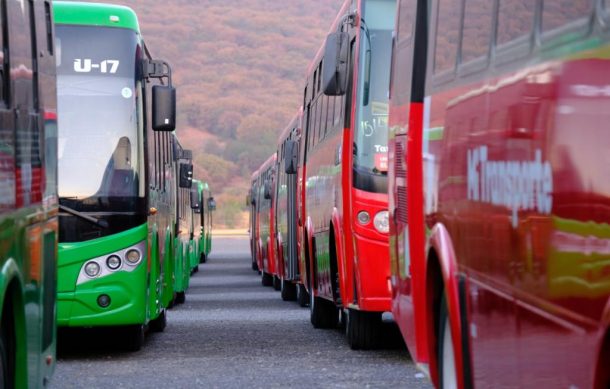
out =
column 302, row 296
column 159, row 324
column 180, row 297
column 5, row 374
column 202, row 258
column 362, row 329
column 134, row 337
column 254, row 266
column 277, row 283
column 446, row 354
column 289, row 291
column 196, row 269
column 322, row 313
column 267, row 279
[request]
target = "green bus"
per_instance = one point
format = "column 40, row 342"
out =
column 183, row 234
column 202, row 204
column 28, row 194
column 117, row 113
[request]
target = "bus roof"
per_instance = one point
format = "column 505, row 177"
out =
column 95, row 14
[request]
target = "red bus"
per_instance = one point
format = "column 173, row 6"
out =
column 265, row 232
column 500, row 266
column 286, row 205
column 345, row 112
column 253, row 220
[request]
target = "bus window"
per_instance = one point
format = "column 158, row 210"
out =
column 558, row 13
column 401, row 79
column 4, row 64
column 447, row 35
column 338, row 107
column 406, row 19
column 515, row 20
column 331, row 110
column 476, row 32
column 323, row 113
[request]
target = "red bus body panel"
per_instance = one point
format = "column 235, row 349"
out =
column 330, row 205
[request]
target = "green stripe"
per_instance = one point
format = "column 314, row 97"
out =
column 95, row 14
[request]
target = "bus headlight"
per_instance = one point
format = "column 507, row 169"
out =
column 364, row 217
column 92, row 269
column 113, row 262
column 382, row 222
column 133, row 256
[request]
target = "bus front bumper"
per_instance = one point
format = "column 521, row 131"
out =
column 127, row 304
column 373, row 267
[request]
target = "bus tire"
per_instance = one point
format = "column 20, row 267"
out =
column 134, row 337
column 277, row 283
column 322, row 313
column 7, row 354
column 289, row 291
column 302, row 296
column 254, row 266
column 180, row 297
column 196, row 269
column 203, row 258
column 446, row 354
column 159, row 324
column 266, row 279
column 362, row 329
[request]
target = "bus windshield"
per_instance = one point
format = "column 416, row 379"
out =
column 371, row 137
column 98, row 142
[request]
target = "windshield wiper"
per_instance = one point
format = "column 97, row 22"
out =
column 90, row 219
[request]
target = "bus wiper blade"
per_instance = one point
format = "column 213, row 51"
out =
column 90, row 219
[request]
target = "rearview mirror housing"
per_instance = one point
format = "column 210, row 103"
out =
column 211, row 204
column 163, row 108
column 186, row 175
column 334, row 65
column 267, row 190
column 291, row 153
column 195, row 203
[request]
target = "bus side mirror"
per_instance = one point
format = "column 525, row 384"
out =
column 195, row 204
column 291, row 156
column 334, row 65
column 211, row 204
column 186, row 175
column 164, row 108
column 267, row 193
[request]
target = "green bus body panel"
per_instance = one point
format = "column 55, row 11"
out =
column 167, row 289
column 179, row 271
column 94, row 14
column 16, row 274
column 77, row 304
column 127, row 291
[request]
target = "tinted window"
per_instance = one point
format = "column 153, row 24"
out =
column 557, row 13
column 406, row 19
column 477, row 29
column 447, row 34
column 371, row 135
column 515, row 19
column 98, row 151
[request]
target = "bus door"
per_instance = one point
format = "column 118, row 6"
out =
column 290, row 165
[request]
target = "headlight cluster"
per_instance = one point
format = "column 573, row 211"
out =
column 381, row 221
column 125, row 260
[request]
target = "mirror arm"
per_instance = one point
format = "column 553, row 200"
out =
column 157, row 69
column 348, row 20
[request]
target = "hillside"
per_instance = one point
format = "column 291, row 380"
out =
column 239, row 67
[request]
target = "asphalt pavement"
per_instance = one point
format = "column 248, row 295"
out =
column 233, row 333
